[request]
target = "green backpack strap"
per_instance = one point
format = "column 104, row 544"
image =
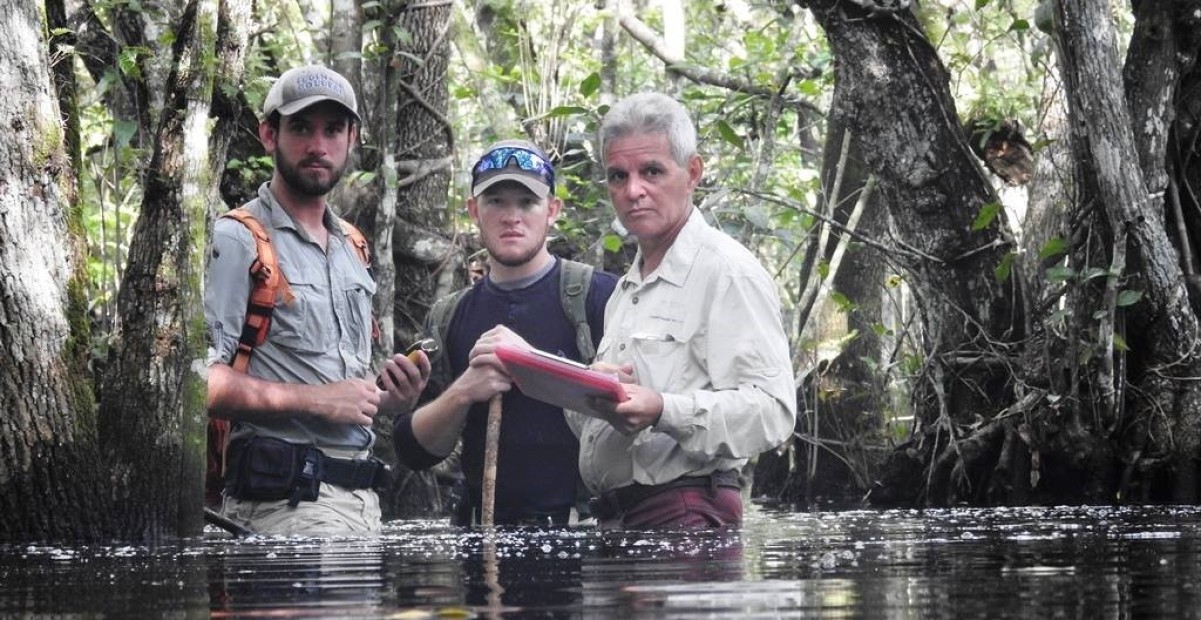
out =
column 437, row 324
column 574, row 282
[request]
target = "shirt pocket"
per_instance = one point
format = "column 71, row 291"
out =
column 358, row 294
column 306, row 324
column 659, row 357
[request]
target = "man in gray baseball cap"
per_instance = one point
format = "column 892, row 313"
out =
column 301, row 400
column 302, row 87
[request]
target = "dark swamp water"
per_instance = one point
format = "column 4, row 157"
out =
column 1067, row 562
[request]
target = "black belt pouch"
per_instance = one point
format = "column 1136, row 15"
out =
column 270, row 469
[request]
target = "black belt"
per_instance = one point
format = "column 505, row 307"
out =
column 612, row 504
column 267, row 469
column 353, row 473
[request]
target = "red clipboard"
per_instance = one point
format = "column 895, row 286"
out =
column 558, row 380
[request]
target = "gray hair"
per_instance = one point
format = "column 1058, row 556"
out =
column 650, row 113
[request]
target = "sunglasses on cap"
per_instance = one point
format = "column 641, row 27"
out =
column 527, row 160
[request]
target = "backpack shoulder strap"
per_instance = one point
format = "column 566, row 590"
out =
column 269, row 285
column 574, row 282
column 358, row 241
column 438, row 325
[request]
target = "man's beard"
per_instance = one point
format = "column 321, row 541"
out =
column 304, row 184
column 519, row 260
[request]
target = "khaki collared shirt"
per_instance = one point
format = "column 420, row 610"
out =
column 323, row 336
column 705, row 331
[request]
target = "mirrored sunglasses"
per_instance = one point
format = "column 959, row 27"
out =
column 503, row 157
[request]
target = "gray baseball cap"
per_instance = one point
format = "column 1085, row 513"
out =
column 513, row 160
column 302, row 87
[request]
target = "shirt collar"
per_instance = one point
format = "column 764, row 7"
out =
column 678, row 260
column 278, row 217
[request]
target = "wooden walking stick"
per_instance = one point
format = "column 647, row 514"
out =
column 491, row 444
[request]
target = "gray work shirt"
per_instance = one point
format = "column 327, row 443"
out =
column 322, row 336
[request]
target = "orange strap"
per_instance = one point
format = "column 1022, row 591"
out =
column 269, row 284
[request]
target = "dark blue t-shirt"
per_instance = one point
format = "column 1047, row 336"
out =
column 538, row 457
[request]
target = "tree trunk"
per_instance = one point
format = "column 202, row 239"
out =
column 900, row 112
column 49, row 468
column 1162, row 327
column 410, row 217
column 152, row 409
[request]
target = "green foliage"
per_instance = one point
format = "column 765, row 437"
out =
column 1128, row 297
column 987, row 214
column 994, row 59
column 1005, row 268
column 1055, row 246
column 842, row 302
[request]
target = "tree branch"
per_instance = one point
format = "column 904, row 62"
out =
column 417, row 169
column 655, row 45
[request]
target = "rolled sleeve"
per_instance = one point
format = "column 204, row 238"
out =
column 227, row 288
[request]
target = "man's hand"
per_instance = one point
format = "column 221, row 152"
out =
column 486, row 374
column 624, row 372
column 353, row 401
column 489, row 340
column 402, row 380
column 484, row 377
column 641, row 410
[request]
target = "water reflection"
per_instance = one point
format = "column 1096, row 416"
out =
column 1004, row 563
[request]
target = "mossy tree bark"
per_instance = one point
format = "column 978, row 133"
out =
column 152, row 413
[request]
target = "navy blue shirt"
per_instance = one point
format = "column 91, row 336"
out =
column 537, row 466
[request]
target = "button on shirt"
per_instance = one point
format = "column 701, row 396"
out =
column 705, row 331
column 322, row 336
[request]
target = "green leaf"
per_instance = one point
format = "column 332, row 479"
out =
column 612, row 243
column 728, row 134
column 1092, row 273
column 401, row 35
column 566, row 110
column 987, row 214
column 843, row 302
column 1005, row 268
column 810, row 88
column 1019, row 25
column 1119, row 342
column 1053, row 247
column 981, row 4
column 590, row 85
column 127, row 61
column 1129, row 297
column 1060, row 274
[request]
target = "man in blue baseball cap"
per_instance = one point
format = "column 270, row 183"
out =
column 528, row 298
